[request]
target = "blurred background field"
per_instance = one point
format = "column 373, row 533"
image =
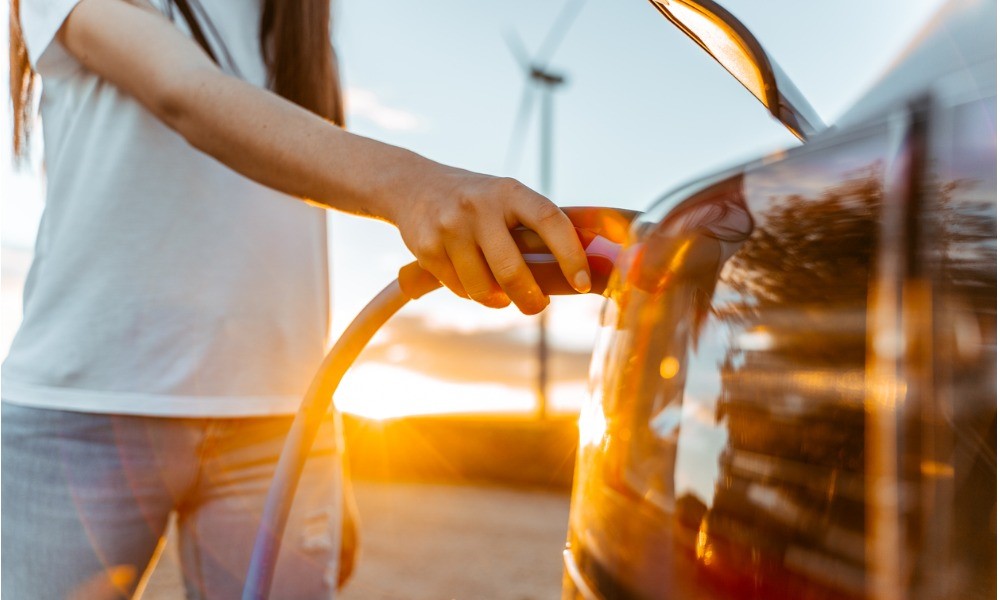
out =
column 517, row 451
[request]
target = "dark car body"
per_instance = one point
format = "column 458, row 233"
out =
column 794, row 387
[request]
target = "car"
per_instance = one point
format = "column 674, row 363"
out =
column 793, row 393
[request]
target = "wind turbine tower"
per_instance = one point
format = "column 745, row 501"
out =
column 540, row 81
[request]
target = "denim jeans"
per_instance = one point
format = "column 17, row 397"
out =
column 87, row 498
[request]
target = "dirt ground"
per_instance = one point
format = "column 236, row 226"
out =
column 440, row 542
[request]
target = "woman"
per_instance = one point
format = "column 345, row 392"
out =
column 177, row 304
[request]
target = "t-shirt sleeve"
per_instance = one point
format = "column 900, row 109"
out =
column 40, row 20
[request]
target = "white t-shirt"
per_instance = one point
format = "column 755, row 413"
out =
column 163, row 282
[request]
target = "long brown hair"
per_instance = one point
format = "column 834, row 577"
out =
column 294, row 43
column 22, row 82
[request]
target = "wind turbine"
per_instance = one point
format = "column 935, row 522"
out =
column 540, row 80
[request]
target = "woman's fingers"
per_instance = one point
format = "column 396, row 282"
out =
column 509, row 269
column 438, row 264
column 475, row 275
column 461, row 234
column 558, row 233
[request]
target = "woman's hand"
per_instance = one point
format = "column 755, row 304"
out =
column 457, row 224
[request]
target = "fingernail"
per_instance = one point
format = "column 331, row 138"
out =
column 534, row 302
column 582, row 282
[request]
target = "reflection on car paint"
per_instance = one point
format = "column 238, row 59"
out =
column 723, row 452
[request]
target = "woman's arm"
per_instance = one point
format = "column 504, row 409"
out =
column 455, row 222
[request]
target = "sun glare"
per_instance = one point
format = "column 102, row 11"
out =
column 379, row 391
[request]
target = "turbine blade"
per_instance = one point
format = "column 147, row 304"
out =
column 516, row 46
column 558, row 31
column 515, row 147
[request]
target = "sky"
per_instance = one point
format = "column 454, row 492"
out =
column 644, row 111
